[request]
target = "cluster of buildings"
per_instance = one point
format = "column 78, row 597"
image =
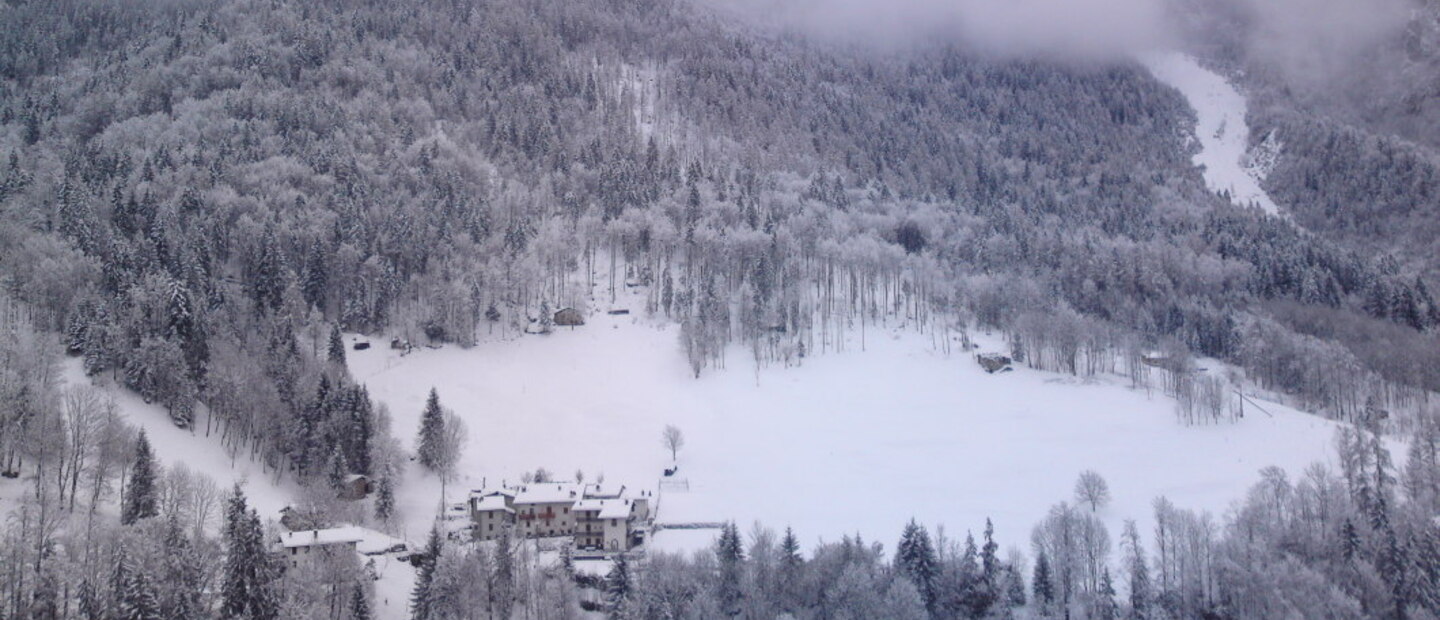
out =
column 598, row 519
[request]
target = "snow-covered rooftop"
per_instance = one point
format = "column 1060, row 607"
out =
column 315, row 538
column 548, row 493
column 492, row 502
column 589, row 505
column 615, row 509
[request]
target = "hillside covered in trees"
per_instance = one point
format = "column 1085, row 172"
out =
column 196, row 194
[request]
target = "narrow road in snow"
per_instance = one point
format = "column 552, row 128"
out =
column 1221, row 128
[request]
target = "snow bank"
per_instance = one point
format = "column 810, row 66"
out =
column 1221, row 128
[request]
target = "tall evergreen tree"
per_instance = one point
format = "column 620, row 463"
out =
column 916, row 560
column 359, row 603
column 432, row 433
column 137, row 597
column 1043, row 586
column 335, row 350
column 385, row 497
column 791, row 563
column 730, row 552
column 618, row 586
column 248, row 588
column 425, row 576
column 140, row 495
column 1105, row 606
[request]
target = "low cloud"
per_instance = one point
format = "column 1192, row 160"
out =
column 1088, row 27
column 1313, row 35
column 1319, row 39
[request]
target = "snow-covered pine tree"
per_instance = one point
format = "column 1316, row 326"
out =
column 338, row 469
column 989, row 561
column 432, row 433
column 137, row 597
column 360, row 430
column 359, row 603
column 618, row 586
column 335, row 350
column 916, row 560
column 316, row 275
column 791, row 565
column 1042, row 583
column 249, row 577
column 976, row 595
column 1014, row 587
column 267, row 279
column 140, row 493
column 729, row 550
column 424, row 576
column 1105, row 606
column 385, row 497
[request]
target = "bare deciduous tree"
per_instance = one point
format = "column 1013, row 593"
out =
column 452, row 442
column 673, row 440
column 1092, row 489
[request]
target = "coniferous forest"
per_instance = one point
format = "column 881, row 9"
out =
column 198, row 197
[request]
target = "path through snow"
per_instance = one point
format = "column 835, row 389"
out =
column 1221, row 129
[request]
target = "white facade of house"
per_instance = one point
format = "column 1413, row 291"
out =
column 304, row 544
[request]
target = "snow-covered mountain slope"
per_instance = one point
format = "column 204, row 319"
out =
column 846, row 443
column 1220, row 128
column 207, row 455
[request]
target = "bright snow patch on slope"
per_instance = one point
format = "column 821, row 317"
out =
column 852, row 442
column 1224, row 136
column 173, row 445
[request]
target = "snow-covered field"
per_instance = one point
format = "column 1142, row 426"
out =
column 856, row 442
column 1221, row 128
column 852, row 442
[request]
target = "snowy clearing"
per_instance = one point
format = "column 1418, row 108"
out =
column 1221, row 128
column 200, row 453
column 851, row 442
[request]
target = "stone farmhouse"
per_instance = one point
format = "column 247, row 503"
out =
column 596, row 518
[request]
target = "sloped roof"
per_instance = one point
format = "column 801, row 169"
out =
column 615, row 509
column 492, row 502
column 315, row 538
column 548, row 493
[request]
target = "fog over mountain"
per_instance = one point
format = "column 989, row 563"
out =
column 1313, row 38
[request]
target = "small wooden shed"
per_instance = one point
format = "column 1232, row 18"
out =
column 355, row 487
column 569, row 317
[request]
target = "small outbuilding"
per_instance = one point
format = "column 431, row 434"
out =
column 355, row 487
column 993, row 362
column 569, row 317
